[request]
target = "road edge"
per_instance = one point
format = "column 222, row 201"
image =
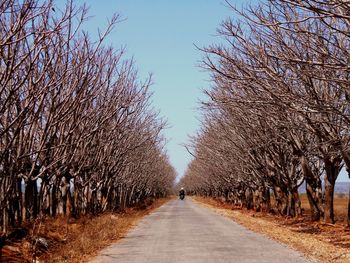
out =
column 310, row 247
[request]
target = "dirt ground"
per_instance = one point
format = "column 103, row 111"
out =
column 71, row 240
column 319, row 242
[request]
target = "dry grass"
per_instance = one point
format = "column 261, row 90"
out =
column 319, row 242
column 340, row 207
column 77, row 240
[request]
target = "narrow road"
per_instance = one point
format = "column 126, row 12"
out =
column 183, row 231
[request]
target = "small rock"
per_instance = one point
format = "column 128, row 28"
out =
column 42, row 243
column 113, row 217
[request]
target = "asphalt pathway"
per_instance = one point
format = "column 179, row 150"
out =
column 185, row 232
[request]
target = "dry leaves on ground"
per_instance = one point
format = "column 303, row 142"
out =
column 75, row 240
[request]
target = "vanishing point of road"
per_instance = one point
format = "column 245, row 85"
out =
column 185, row 232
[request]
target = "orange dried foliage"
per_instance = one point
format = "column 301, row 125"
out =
column 76, row 240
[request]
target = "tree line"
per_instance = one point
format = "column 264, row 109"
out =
column 277, row 111
column 77, row 132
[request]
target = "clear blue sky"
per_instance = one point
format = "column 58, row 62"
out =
column 160, row 36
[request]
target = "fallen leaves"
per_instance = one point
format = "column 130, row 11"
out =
column 76, row 240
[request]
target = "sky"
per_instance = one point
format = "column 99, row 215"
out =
column 161, row 36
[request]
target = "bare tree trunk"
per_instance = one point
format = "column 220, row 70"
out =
column 314, row 201
column 45, row 198
column 23, row 205
column 4, row 220
column 19, row 201
column 266, row 200
column 349, row 209
column 329, row 201
column 131, row 194
column 346, row 158
column 291, row 205
column 332, row 171
column 31, row 198
column 281, row 201
column 248, row 198
column 312, row 183
column 53, row 200
column 64, row 189
column 257, row 200
column 121, row 197
column 297, row 202
column 69, row 206
column 75, row 200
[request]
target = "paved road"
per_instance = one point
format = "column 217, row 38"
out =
column 183, row 231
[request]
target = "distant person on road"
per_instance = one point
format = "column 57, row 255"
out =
column 182, row 193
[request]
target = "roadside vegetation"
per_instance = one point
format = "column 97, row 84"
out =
column 317, row 241
column 277, row 112
column 275, row 117
column 78, row 136
column 75, row 240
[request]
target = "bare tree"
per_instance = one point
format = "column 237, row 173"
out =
column 77, row 130
column 279, row 95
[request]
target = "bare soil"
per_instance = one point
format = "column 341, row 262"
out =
column 319, row 242
column 72, row 240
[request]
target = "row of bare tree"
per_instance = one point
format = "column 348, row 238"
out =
column 278, row 111
column 77, row 132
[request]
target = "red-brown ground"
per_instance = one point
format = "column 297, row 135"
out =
column 73, row 240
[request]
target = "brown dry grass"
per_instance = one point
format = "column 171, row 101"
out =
column 77, row 240
column 319, row 242
column 340, row 207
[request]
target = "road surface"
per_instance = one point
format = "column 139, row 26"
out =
column 183, row 231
